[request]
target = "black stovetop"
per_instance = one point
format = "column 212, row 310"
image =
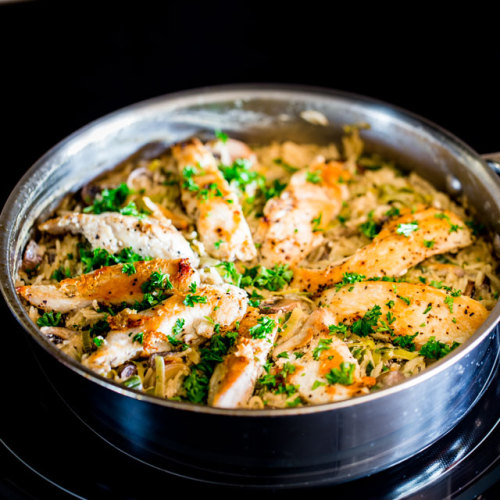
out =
column 49, row 452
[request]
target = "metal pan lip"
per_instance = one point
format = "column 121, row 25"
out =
column 205, row 95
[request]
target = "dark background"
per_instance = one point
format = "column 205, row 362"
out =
column 63, row 64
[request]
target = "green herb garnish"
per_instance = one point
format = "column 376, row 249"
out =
column 343, row 375
column 49, row 319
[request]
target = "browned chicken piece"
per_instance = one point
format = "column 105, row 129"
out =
column 407, row 309
column 292, row 224
column 108, row 285
column 209, row 200
column 149, row 237
column 181, row 319
column 233, row 380
column 402, row 244
column 327, row 371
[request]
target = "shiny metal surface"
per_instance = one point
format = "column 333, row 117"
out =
column 349, row 438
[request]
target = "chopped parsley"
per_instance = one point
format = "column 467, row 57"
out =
column 274, row 190
column 212, row 191
column 406, row 300
column 429, row 243
column 393, row 212
column 349, row 279
column 390, row 317
column 313, row 177
column 99, row 257
column 390, row 304
column 158, row 280
column 407, row 229
column 285, row 166
column 434, row 349
column 316, row 222
column 428, row 308
column 110, row 200
column 338, row 328
column 283, row 354
column 187, row 174
column 100, row 328
column 221, row 136
column 261, row 277
column 276, row 381
column 366, row 325
column 323, row 345
column 343, row 375
column 154, row 290
column 254, row 299
column 128, row 268
column 178, row 327
column 476, row 227
column 49, row 319
column 239, row 174
column 98, row 341
column 405, row 341
column 442, row 216
column 448, row 300
column 217, row 244
column 265, row 325
column 296, row 402
column 196, row 383
column 230, row 272
column 191, row 300
column 138, row 337
column 60, row 274
column 369, row 228
column 317, row 383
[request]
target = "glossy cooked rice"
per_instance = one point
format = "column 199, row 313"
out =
column 377, row 185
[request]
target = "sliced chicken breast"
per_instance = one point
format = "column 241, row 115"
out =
column 233, row 380
column 181, row 319
column 292, row 224
column 326, row 371
column 209, row 200
column 407, row 309
column 149, row 236
column 108, row 285
column 402, row 244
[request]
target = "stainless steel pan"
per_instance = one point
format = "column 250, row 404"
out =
column 302, row 446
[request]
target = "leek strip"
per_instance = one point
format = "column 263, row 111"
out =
column 133, row 382
column 86, row 341
column 160, row 376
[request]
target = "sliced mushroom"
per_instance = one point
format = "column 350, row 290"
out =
column 390, row 378
column 32, row 255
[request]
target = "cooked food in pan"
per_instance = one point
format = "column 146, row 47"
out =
column 279, row 276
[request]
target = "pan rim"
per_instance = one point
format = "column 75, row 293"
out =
column 252, row 91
